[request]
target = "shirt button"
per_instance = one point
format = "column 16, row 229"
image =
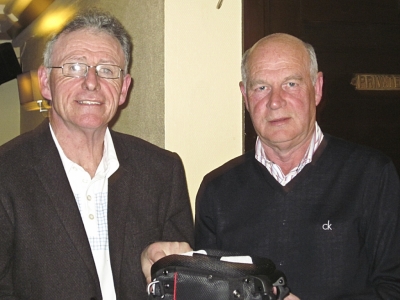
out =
column 89, row 197
column 91, row 217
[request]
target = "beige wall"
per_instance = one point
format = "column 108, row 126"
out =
column 9, row 111
column 203, row 106
column 186, row 69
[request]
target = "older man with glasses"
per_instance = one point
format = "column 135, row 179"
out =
column 78, row 201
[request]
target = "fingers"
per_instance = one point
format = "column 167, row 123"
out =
column 146, row 264
column 175, row 247
column 158, row 250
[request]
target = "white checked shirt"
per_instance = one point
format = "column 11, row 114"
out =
column 276, row 171
column 91, row 198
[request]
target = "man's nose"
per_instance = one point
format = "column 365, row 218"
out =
column 276, row 100
column 91, row 81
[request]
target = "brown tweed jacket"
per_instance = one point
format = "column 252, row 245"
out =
column 44, row 250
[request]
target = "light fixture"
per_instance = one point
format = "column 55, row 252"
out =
column 23, row 13
column 30, row 97
column 13, row 9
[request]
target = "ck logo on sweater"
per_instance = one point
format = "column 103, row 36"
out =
column 327, row 226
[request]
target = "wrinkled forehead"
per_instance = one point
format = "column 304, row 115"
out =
column 84, row 34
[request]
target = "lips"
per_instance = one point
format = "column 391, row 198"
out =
column 279, row 121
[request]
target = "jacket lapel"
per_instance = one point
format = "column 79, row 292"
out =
column 50, row 170
column 119, row 193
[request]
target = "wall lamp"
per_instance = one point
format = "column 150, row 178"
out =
column 30, row 97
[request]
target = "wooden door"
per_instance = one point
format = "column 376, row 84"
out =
column 350, row 37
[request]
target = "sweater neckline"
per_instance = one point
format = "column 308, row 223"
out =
column 299, row 177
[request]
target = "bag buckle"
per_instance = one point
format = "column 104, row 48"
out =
column 151, row 287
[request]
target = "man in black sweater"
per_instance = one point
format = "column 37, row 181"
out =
column 326, row 211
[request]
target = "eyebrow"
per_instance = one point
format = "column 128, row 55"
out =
column 258, row 81
column 295, row 77
column 288, row 78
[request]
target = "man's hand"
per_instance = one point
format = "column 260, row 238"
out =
column 158, row 250
column 291, row 297
column 288, row 297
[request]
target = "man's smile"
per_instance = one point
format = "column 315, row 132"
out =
column 88, row 102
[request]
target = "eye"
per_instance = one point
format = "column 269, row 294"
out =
column 75, row 67
column 106, row 70
column 259, row 87
column 292, row 84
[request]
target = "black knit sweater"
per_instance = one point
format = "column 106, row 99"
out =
column 334, row 230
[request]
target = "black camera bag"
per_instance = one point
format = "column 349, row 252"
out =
column 206, row 277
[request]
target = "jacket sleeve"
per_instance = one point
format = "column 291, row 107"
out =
column 178, row 219
column 205, row 221
column 6, row 249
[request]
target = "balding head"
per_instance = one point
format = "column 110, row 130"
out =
column 280, row 42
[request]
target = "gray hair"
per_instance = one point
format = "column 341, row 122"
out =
column 313, row 62
column 98, row 20
column 311, row 54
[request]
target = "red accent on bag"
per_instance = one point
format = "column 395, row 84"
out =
column 175, row 283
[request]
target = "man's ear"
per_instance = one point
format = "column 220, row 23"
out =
column 125, row 88
column 318, row 88
column 44, row 83
column 243, row 91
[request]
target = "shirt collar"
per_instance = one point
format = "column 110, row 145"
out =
column 109, row 163
column 276, row 171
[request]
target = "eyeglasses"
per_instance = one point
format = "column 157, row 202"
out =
column 81, row 70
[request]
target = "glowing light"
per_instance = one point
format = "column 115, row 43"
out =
column 52, row 22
